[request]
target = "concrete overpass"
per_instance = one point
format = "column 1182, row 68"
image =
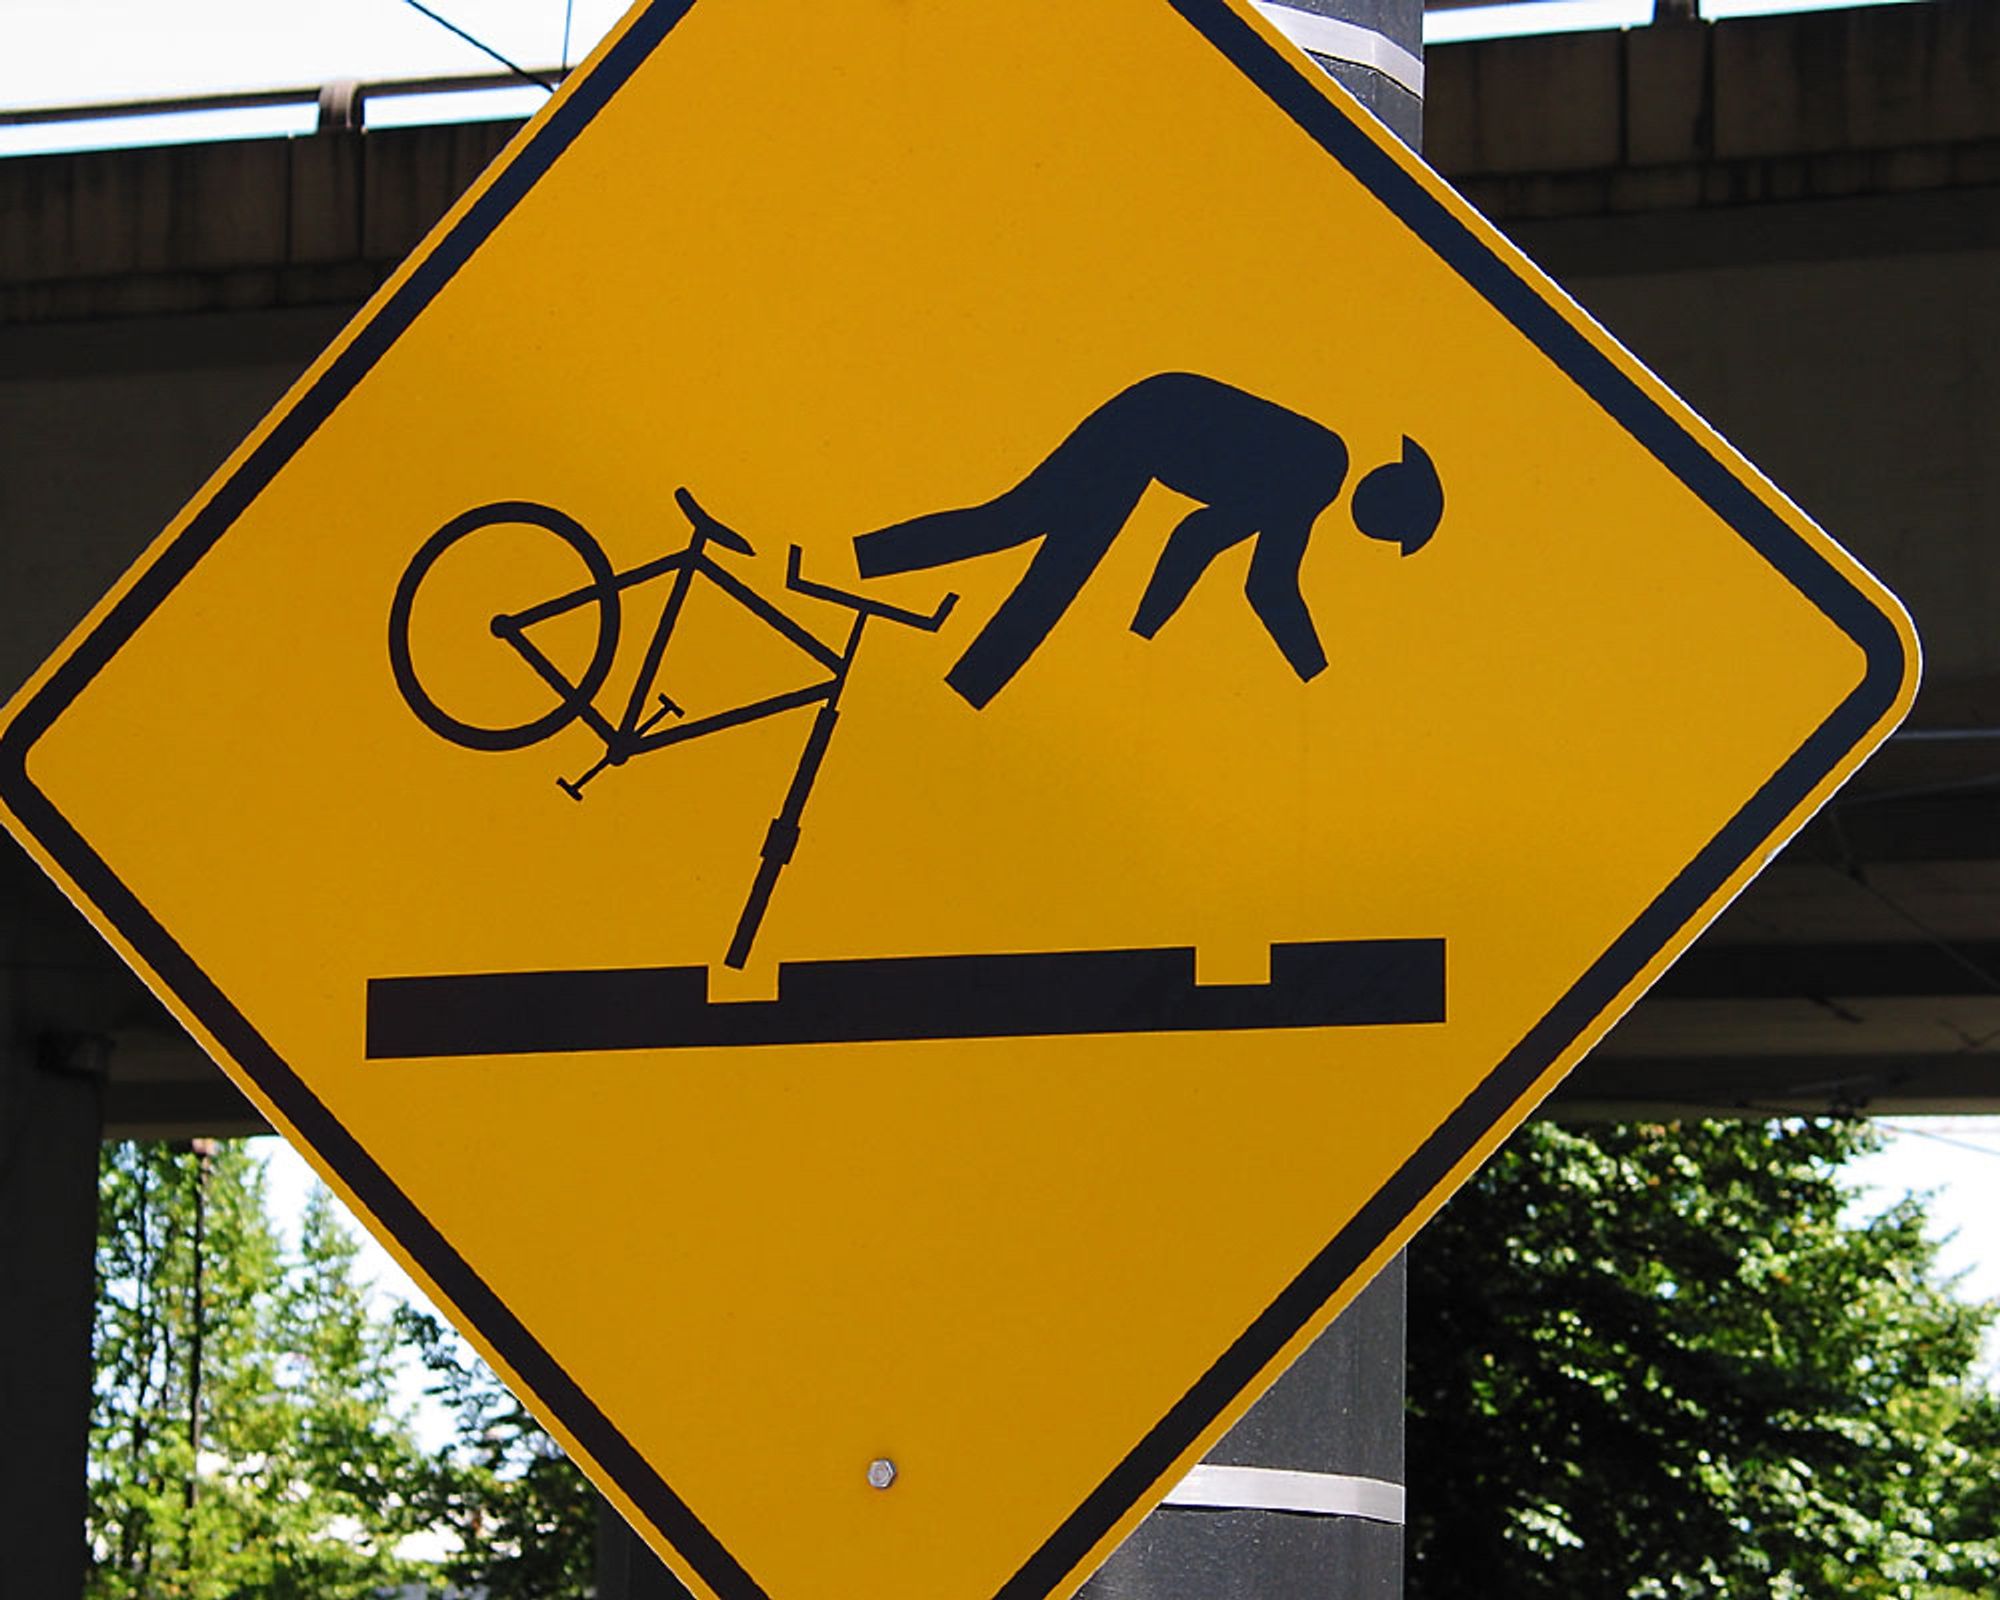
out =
column 1795, row 219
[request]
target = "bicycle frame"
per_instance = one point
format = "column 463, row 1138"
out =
column 637, row 730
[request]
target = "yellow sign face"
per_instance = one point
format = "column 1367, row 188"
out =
column 921, row 735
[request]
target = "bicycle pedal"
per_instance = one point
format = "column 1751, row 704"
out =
column 573, row 790
column 669, row 706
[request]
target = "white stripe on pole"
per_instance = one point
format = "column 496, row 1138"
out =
column 1347, row 41
column 1324, row 1494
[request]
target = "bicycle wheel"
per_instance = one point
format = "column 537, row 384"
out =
column 572, row 697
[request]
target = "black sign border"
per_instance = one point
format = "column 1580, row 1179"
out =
column 1520, row 300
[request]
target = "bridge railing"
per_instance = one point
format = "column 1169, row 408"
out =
column 344, row 104
column 348, row 104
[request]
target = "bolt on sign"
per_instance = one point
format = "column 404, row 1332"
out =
column 936, row 718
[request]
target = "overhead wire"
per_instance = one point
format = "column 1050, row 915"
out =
column 1885, row 1123
column 1775, row 1111
column 1969, row 1043
column 1931, row 936
column 1938, row 1138
column 1835, row 1112
column 1853, row 872
column 486, row 49
column 1850, row 870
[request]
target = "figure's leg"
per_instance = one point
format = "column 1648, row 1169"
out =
column 1273, row 592
column 1196, row 541
column 1070, row 552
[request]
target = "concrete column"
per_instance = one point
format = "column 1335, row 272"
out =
column 49, row 1124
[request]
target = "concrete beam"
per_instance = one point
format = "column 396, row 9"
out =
column 1892, row 99
column 1865, row 78
column 245, row 225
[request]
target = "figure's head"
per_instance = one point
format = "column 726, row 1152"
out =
column 1401, row 502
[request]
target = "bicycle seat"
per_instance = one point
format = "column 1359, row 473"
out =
column 707, row 527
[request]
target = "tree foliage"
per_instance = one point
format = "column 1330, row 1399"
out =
column 1645, row 1361
column 243, row 1441
column 1659, row 1361
column 523, row 1517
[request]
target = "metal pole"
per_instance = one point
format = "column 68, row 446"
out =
column 203, row 1151
column 1327, row 1441
column 1374, row 49
column 1308, row 1504
column 627, row 1569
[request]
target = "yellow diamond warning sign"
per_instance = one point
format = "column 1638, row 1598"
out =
column 916, row 632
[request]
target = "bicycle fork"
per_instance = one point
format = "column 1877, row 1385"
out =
column 781, row 839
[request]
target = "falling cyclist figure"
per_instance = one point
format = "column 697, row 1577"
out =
column 1262, row 472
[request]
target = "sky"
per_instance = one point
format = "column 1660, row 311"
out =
column 1955, row 1163
column 79, row 52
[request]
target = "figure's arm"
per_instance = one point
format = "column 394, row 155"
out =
column 1273, row 592
column 1197, row 539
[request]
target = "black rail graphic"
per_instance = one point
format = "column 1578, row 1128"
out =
column 1338, row 983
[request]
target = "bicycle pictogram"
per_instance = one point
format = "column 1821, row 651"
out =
column 650, row 719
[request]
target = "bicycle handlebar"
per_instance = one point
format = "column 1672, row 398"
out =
column 796, row 581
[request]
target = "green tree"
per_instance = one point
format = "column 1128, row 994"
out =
column 523, row 1517
column 243, row 1439
column 1659, row 1361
